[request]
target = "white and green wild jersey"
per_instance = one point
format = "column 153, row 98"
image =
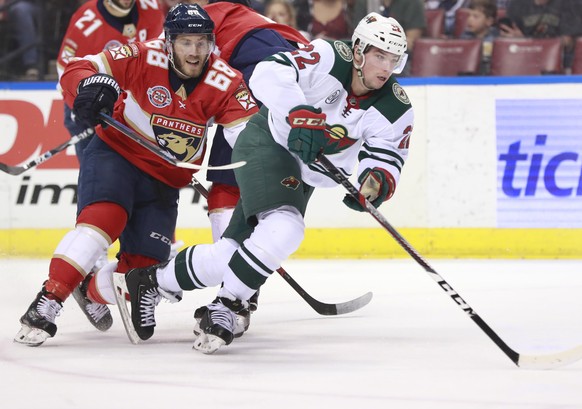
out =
column 373, row 129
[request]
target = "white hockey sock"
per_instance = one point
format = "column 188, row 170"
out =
column 277, row 235
column 104, row 282
column 82, row 247
column 198, row 266
column 219, row 219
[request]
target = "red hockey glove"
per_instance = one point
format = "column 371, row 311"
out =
column 306, row 137
column 376, row 185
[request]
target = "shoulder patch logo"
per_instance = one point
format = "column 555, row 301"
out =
column 343, row 50
column 400, row 94
column 159, row 96
column 244, row 98
column 291, row 182
column 126, row 51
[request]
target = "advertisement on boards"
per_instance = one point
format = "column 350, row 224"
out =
column 539, row 163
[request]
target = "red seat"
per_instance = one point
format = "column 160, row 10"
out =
column 461, row 16
column 435, row 23
column 446, row 57
column 526, row 56
column 577, row 61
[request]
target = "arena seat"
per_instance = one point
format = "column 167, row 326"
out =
column 577, row 61
column 435, row 23
column 461, row 16
column 446, row 57
column 526, row 56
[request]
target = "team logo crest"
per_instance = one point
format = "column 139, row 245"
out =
column 244, row 98
column 343, row 50
column 119, row 53
column 337, row 139
column 181, row 139
column 400, row 94
column 159, row 96
column 291, row 182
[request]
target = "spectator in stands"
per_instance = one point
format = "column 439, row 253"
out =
column 481, row 24
column 451, row 7
column 23, row 19
column 410, row 14
column 542, row 19
column 282, row 12
column 330, row 20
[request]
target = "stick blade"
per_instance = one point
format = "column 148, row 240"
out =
column 550, row 361
column 12, row 170
column 353, row 305
column 120, row 288
column 193, row 166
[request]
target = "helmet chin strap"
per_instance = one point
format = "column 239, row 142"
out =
column 360, row 72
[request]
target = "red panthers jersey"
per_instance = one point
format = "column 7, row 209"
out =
column 92, row 29
column 233, row 21
column 164, row 110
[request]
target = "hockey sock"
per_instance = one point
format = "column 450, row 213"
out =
column 100, row 288
column 198, row 266
column 277, row 235
column 74, row 257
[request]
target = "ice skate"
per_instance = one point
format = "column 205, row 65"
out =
column 243, row 320
column 97, row 314
column 141, row 285
column 218, row 324
column 38, row 323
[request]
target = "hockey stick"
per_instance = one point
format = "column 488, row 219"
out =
column 545, row 361
column 17, row 170
column 319, row 307
column 159, row 151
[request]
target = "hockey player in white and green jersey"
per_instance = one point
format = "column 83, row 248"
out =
column 338, row 97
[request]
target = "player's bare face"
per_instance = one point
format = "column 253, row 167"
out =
column 378, row 67
column 190, row 53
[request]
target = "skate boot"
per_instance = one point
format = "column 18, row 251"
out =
column 254, row 301
column 243, row 320
column 97, row 314
column 218, row 324
column 38, row 323
column 145, row 295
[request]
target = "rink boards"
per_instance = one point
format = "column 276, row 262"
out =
column 495, row 171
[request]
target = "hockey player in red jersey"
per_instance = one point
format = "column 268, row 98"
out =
column 103, row 24
column 167, row 91
column 96, row 26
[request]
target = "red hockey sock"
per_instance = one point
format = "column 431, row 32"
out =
column 63, row 278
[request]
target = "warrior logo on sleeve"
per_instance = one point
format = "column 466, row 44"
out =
column 181, row 139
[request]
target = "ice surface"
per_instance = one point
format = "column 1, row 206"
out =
column 412, row 347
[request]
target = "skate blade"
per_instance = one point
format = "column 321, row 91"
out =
column 121, row 291
column 208, row 343
column 31, row 337
column 104, row 323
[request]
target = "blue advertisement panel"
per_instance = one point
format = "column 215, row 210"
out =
column 539, row 163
